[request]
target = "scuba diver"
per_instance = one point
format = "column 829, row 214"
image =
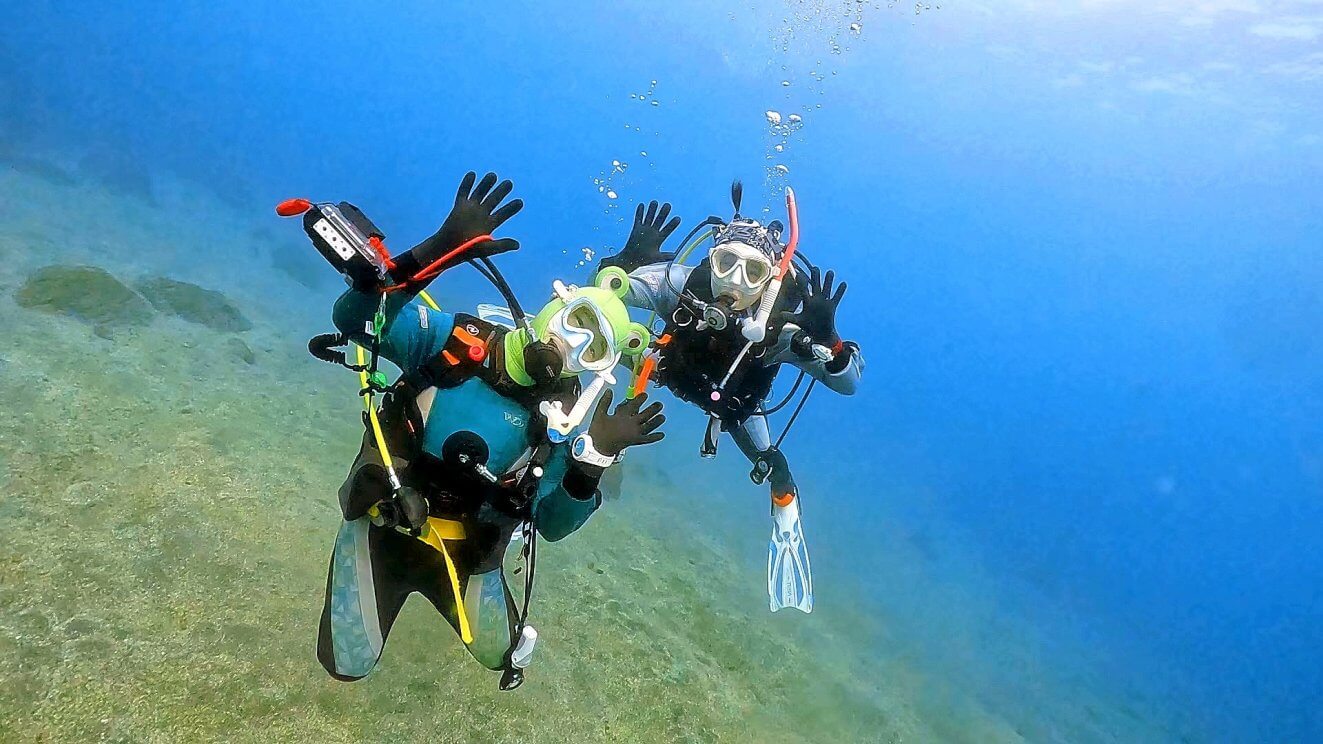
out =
column 730, row 323
column 483, row 444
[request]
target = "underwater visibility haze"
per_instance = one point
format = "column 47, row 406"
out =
column 1076, row 494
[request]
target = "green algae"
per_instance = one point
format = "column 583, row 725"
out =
column 88, row 293
column 193, row 303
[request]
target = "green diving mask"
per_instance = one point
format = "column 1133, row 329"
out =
column 590, row 326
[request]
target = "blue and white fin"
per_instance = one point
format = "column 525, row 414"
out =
column 789, row 575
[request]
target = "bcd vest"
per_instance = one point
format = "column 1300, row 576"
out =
column 693, row 363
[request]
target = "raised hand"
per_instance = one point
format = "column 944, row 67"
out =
column 629, row 425
column 817, row 315
column 478, row 211
column 650, row 231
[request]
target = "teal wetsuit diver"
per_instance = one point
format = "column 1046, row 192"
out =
column 730, row 323
column 482, row 445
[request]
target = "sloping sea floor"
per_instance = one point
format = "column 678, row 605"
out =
column 168, row 465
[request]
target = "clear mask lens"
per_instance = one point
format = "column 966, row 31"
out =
column 723, row 262
column 757, row 272
column 588, row 336
column 743, row 265
column 584, row 318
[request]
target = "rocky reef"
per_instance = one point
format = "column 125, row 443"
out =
column 88, row 293
column 193, row 303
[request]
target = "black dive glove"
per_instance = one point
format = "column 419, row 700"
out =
column 628, row 425
column 645, row 240
column 609, row 433
column 477, row 212
column 407, row 509
column 817, row 316
column 817, row 321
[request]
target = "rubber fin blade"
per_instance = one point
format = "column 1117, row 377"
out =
column 789, row 575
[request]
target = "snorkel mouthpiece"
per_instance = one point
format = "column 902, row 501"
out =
column 755, row 328
column 560, row 423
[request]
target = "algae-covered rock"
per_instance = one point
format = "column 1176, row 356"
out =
column 87, row 293
column 236, row 347
column 194, row 304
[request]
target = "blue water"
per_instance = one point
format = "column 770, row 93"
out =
column 1084, row 245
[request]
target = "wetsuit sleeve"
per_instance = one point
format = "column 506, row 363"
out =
column 413, row 334
column 649, row 290
column 569, row 496
column 841, row 374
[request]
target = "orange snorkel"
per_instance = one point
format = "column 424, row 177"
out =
column 755, row 328
column 792, row 210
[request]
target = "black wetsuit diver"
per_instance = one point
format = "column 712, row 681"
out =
column 703, row 356
column 480, row 471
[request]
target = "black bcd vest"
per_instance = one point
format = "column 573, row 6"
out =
column 692, row 364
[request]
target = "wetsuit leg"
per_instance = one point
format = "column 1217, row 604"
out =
column 491, row 611
column 373, row 570
column 755, row 441
column 366, row 484
column 489, row 604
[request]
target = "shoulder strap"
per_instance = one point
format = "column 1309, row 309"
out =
column 464, row 355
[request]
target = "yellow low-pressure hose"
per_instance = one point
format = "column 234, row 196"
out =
column 437, row 531
column 435, row 534
column 684, row 254
column 372, row 418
